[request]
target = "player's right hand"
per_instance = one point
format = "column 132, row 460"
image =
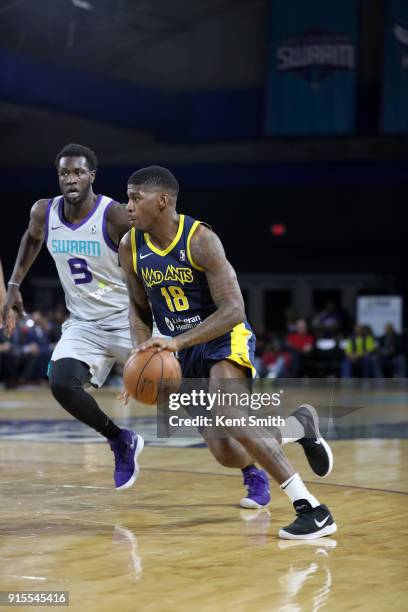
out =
column 14, row 304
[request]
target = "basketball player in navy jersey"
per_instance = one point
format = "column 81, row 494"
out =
column 178, row 265
column 82, row 231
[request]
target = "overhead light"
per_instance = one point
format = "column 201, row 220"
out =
column 82, row 4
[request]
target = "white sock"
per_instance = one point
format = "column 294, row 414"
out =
column 292, row 431
column 295, row 489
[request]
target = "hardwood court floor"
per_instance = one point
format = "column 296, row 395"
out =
column 177, row 540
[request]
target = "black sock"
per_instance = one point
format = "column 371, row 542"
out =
column 110, row 430
column 248, row 468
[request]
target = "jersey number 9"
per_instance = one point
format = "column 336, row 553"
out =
column 79, row 268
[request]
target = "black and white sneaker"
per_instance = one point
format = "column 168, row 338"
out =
column 310, row 523
column 317, row 451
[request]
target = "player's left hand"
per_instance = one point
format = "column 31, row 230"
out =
column 123, row 396
column 160, row 344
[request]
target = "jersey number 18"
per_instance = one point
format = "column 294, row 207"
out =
column 176, row 299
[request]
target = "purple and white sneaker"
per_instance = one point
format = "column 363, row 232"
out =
column 259, row 494
column 126, row 448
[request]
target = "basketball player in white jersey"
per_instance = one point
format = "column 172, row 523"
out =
column 82, row 231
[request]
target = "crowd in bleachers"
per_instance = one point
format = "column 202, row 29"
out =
column 24, row 357
column 327, row 345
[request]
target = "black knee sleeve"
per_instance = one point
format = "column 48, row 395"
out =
column 66, row 378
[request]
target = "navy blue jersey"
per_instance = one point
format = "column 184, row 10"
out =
column 176, row 287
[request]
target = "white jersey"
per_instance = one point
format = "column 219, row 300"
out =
column 87, row 262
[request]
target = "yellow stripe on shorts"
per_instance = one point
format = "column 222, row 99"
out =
column 239, row 347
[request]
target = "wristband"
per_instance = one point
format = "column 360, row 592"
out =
column 14, row 284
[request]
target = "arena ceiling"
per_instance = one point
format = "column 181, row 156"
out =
column 178, row 47
column 157, row 43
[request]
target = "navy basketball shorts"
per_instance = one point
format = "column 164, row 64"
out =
column 237, row 346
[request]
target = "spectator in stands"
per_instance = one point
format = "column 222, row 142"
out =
column 32, row 344
column 361, row 354
column 327, row 356
column 301, row 343
column 391, row 355
column 291, row 317
column 8, row 362
column 329, row 321
column 276, row 362
column 261, row 341
column 25, row 356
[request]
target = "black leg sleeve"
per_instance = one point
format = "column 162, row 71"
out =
column 67, row 377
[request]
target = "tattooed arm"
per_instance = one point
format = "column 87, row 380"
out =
column 208, row 253
column 140, row 313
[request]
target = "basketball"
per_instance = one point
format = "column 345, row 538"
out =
column 144, row 373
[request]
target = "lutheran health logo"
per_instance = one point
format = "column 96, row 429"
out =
column 315, row 54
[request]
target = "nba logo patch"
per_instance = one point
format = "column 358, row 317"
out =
column 182, row 255
column 93, row 229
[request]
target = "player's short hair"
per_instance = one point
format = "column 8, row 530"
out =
column 155, row 176
column 77, row 150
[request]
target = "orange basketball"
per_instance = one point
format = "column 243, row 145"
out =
column 144, row 373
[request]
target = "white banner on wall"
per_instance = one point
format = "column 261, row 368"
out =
column 378, row 310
